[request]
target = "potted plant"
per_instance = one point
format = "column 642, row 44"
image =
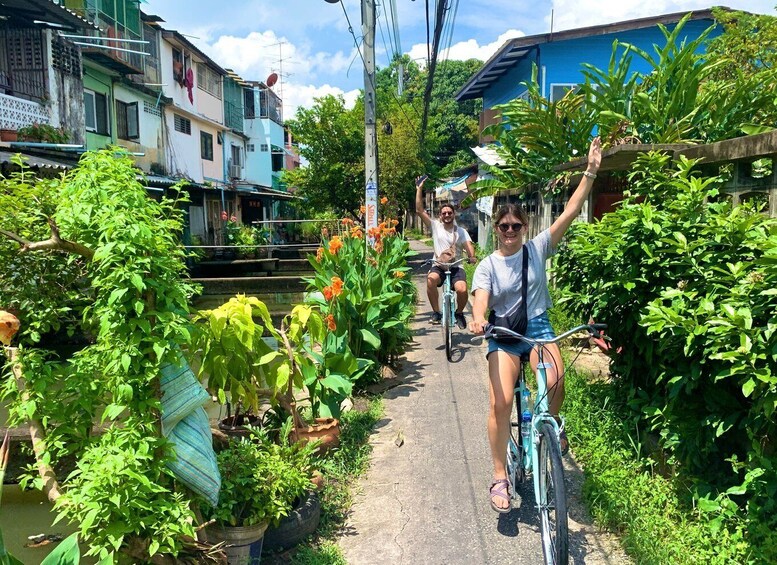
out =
column 43, row 133
column 231, row 349
column 260, row 482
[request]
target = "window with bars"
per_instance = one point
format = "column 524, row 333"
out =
column 127, row 120
column 96, row 112
column 183, row 125
column 206, row 146
column 208, row 80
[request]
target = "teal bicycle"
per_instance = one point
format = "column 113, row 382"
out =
column 447, row 304
column 533, row 446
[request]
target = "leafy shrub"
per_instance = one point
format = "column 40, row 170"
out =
column 686, row 285
column 366, row 295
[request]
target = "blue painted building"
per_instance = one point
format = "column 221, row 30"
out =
column 559, row 58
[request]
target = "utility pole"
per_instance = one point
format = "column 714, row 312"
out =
column 370, row 133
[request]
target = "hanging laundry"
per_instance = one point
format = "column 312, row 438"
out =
column 190, row 85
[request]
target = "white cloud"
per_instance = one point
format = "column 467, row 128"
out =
column 464, row 50
column 570, row 14
column 297, row 95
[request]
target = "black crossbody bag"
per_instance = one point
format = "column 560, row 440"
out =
column 518, row 320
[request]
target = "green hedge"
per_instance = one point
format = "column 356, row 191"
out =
column 687, row 286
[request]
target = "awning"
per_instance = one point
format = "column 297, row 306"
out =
column 37, row 162
column 45, row 12
column 488, row 155
column 277, row 149
column 266, row 192
column 455, row 189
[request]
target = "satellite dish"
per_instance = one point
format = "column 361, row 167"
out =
column 272, row 79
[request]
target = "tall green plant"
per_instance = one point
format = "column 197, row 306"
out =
column 124, row 290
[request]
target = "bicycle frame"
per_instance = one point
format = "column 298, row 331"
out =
column 448, row 306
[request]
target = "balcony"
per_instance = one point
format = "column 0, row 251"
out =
column 17, row 113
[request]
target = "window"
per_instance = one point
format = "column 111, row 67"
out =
column 237, row 155
column 96, row 112
column 559, row 90
column 264, row 147
column 208, row 80
column 184, row 125
column 206, row 146
column 250, row 147
column 249, row 103
column 127, row 124
column 277, row 162
column 178, row 70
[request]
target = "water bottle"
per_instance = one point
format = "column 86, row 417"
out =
column 526, row 414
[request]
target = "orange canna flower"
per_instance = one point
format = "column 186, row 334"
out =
column 328, row 294
column 357, row 233
column 224, row 215
column 383, row 200
column 399, row 274
column 330, row 322
column 325, row 231
column 347, row 221
column 337, row 286
column 379, row 246
column 319, row 253
column 335, row 244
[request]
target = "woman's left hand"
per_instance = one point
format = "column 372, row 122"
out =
column 595, row 155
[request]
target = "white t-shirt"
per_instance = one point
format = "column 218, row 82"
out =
column 443, row 238
column 501, row 277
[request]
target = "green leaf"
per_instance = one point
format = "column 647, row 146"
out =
column 370, row 337
column 137, row 281
column 66, row 553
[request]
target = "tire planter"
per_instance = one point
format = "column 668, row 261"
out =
column 243, row 544
column 299, row 524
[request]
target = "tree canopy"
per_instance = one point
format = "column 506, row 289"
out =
column 331, row 137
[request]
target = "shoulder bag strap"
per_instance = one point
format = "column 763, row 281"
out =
column 524, row 283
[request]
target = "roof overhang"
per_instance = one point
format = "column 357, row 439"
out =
column 492, row 71
column 177, row 39
column 620, row 157
column 43, row 12
column 37, row 162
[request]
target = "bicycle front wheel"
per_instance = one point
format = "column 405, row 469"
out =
column 447, row 328
column 552, row 499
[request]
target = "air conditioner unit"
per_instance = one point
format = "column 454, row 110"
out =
column 235, row 171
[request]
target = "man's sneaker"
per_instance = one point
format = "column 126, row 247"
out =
column 436, row 318
column 461, row 321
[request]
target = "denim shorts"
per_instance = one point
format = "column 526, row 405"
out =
column 538, row 328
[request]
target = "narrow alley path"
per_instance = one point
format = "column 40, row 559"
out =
column 426, row 501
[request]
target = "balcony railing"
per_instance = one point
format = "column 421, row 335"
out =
column 16, row 113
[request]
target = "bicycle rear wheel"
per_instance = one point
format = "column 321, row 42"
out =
column 552, row 499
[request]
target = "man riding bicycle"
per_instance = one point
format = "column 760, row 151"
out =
column 446, row 235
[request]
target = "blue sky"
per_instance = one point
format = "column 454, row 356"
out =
column 309, row 44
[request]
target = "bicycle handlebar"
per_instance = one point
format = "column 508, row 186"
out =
column 495, row 332
column 441, row 264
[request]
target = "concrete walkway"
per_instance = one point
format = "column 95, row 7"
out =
column 424, row 499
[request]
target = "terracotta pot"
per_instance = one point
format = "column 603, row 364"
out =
column 325, row 429
column 318, row 480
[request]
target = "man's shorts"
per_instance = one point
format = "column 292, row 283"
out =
column 538, row 328
column 457, row 274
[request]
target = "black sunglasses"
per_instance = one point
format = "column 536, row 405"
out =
column 504, row 228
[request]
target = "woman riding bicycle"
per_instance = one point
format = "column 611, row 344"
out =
column 497, row 285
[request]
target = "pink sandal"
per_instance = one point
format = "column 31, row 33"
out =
column 500, row 488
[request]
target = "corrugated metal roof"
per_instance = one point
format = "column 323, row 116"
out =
column 37, row 162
